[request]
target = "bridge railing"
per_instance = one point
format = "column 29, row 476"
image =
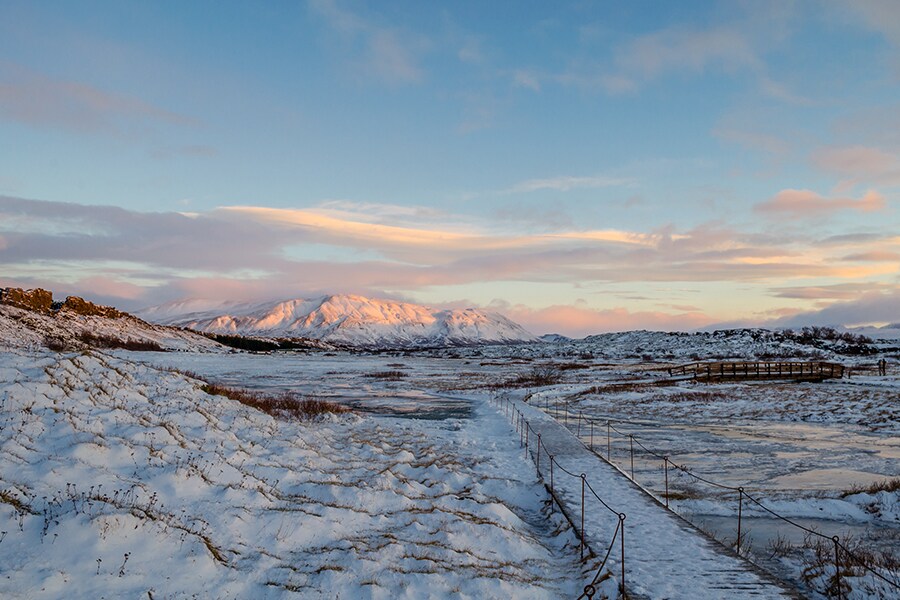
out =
column 758, row 370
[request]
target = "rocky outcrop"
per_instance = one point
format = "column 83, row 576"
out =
column 80, row 306
column 38, row 299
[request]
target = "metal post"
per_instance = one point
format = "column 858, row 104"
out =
column 578, row 435
column 592, row 436
column 740, row 509
column 666, row 461
column 527, row 427
column 551, row 472
column 837, row 567
column 608, row 456
column 622, row 540
column 539, row 455
column 631, row 440
column 567, row 413
column 582, row 516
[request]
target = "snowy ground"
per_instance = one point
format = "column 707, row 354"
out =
column 114, row 453
column 121, row 480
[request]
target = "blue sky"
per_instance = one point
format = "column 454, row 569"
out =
column 580, row 166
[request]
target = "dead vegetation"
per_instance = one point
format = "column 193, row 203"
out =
column 886, row 485
column 541, row 375
column 387, row 375
column 87, row 339
column 855, row 562
column 283, row 406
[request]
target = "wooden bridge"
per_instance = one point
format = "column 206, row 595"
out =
column 734, row 371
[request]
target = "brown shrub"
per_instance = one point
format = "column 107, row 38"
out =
column 388, row 375
column 886, row 485
column 285, row 406
column 105, row 341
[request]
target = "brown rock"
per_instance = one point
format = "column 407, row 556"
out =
column 80, row 306
column 37, row 299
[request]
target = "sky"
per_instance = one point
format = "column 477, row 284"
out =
column 577, row 166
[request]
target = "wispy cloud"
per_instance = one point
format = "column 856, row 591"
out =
column 576, row 320
column 388, row 54
column 679, row 48
column 567, row 183
column 861, row 164
column 801, row 204
column 882, row 16
column 34, row 99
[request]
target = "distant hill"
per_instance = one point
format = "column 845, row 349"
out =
column 346, row 320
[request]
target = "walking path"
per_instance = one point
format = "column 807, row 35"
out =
column 665, row 557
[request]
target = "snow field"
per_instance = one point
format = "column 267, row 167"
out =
column 121, row 480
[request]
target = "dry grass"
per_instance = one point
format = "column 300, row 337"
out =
column 886, row 485
column 387, row 375
column 105, row 341
column 854, row 561
column 86, row 338
column 284, row 406
column 538, row 376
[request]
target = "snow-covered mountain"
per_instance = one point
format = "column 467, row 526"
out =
column 344, row 319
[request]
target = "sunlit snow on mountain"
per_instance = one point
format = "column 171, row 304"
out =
column 344, row 319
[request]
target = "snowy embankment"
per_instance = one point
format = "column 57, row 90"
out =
column 29, row 329
column 121, row 480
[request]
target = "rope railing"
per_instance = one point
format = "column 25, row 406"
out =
column 742, row 496
column 527, row 434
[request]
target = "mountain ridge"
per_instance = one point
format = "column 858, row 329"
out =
column 345, row 319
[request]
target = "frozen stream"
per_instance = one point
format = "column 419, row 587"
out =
column 799, row 469
column 783, row 457
column 382, row 385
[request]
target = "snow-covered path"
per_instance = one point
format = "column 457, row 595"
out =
column 665, row 557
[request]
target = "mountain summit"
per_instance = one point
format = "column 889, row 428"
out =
column 344, row 319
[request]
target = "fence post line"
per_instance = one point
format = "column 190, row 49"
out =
column 539, row 455
column 631, row 440
column 582, row 515
column 567, row 412
column 622, row 540
column 737, row 544
column 837, row 567
column 592, row 436
column 578, row 435
column 666, row 461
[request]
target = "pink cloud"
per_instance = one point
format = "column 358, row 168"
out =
column 34, row 99
column 874, row 256
column 578, row 321
column 806, row 203
column 860, row 163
